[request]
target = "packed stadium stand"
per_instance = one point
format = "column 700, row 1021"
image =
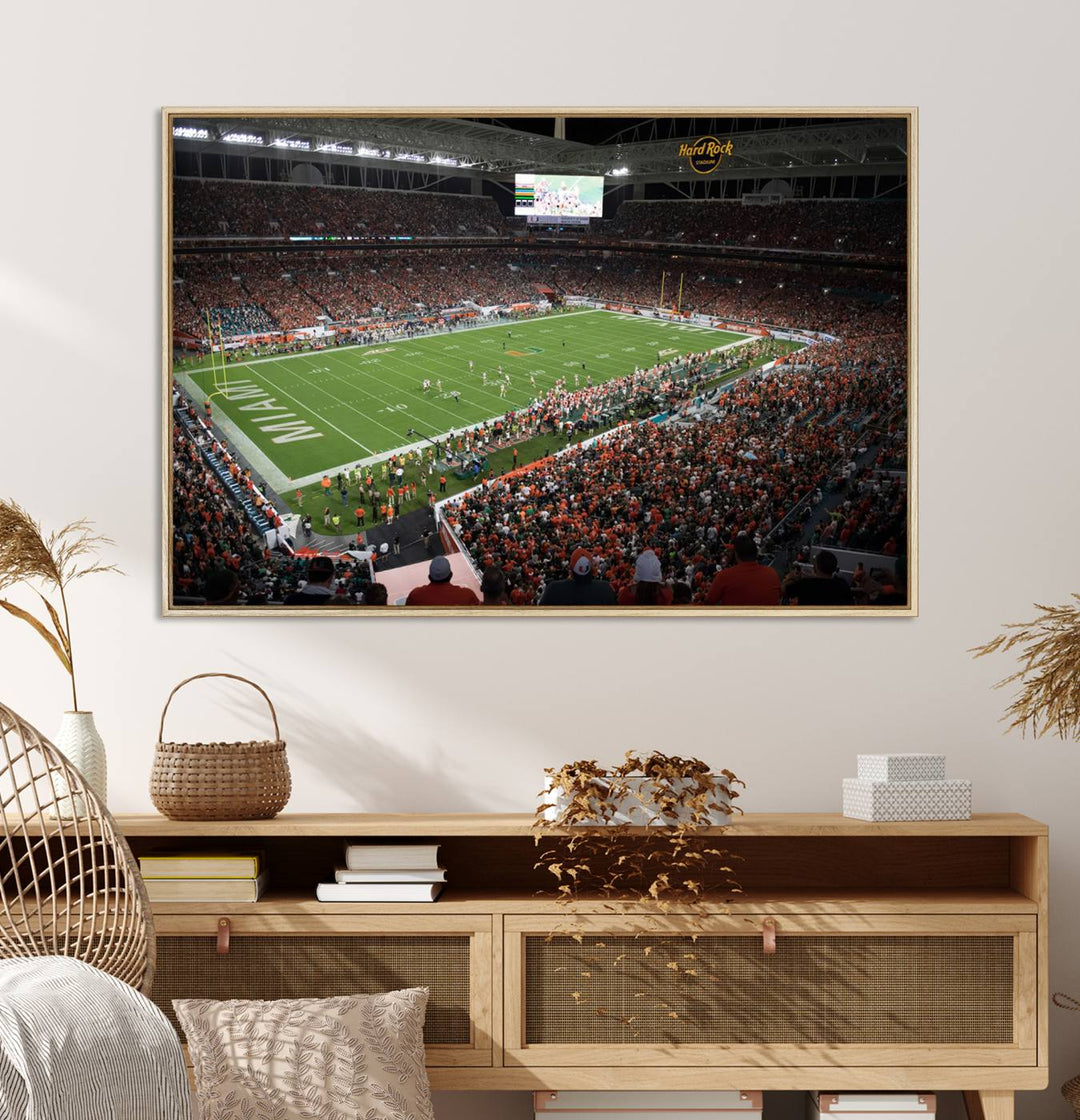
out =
column 210, row 209
column 800, row 450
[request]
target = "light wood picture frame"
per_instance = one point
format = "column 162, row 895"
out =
column 312, row 255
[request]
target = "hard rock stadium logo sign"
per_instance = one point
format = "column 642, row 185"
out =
column 705, row 154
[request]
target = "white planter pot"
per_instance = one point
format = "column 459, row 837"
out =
column 636, row 808
column 79, row 742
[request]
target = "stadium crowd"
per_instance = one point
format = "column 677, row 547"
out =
column 284, row 291
column 684, row 493
column 687, row 492
column 215, row 552
column 823, row 225
column 216, row 207
column 228, row 207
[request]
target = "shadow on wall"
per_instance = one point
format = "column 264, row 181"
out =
column 357, row 772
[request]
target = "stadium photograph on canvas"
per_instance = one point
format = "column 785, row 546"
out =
column 545, row 362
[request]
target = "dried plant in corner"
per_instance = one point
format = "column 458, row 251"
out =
column 1049, row 673
column 54, row 561
column 589, row 844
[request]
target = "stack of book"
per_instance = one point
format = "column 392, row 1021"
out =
column 386, row 873
column 204, row 876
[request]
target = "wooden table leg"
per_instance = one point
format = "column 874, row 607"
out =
column 989, row 1104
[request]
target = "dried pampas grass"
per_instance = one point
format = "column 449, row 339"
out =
column 29, row 556
column 1049, row 673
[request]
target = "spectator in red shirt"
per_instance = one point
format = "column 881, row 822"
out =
column 439, row 591
column 747, row 583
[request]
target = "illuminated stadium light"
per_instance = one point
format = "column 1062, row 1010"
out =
column 186, row 132
column 619, row 171
column 292, row 142
column 380, row 153
column 242, row 138
column 410, row 157
column 446, row 161
column 337, row 149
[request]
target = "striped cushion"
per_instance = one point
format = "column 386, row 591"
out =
column 77, row 1042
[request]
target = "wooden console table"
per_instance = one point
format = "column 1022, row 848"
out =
column 908, row 956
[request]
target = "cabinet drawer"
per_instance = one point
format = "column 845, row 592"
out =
column 287, row 958
column 852, row 989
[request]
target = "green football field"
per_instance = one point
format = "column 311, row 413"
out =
column 315, row 412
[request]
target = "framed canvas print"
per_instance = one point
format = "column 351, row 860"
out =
column 539, row 362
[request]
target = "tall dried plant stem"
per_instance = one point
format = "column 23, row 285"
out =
column 35, row 559
column 67, row 635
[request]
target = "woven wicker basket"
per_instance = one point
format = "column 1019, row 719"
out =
column 220, row 781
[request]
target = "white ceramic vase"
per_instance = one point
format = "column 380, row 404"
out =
column 78, row 740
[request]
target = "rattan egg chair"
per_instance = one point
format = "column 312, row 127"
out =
column 69, row 885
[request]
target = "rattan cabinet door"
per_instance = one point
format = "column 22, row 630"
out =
column 849, row 990
column 287, row 957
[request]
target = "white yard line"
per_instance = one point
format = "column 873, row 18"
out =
column 345, row 404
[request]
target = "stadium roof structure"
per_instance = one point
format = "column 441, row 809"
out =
column 646, row 150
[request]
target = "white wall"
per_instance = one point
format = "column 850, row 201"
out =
column 455, row 715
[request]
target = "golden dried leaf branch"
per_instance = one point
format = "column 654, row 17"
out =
column 56, row 560
column 673, row 864
column 1048, row 652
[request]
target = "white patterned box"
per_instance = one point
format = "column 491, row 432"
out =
column 948, row 800
column 902, row 767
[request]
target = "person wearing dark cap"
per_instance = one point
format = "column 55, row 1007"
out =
column 439, row 591
column 318, row 591
column 648, row 588
column 822, row 588
column 582, row 589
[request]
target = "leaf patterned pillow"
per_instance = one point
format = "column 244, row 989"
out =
column 343, row 1058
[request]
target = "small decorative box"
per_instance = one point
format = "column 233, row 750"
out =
column 902, row 767
column 947, row 800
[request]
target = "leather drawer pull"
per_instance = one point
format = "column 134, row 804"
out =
column 768, row 936
column 224, row 928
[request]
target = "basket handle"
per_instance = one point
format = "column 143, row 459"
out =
column 232, row 677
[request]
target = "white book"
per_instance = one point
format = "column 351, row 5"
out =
column 375, row 857
column 378, row 892
column 397, row 875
